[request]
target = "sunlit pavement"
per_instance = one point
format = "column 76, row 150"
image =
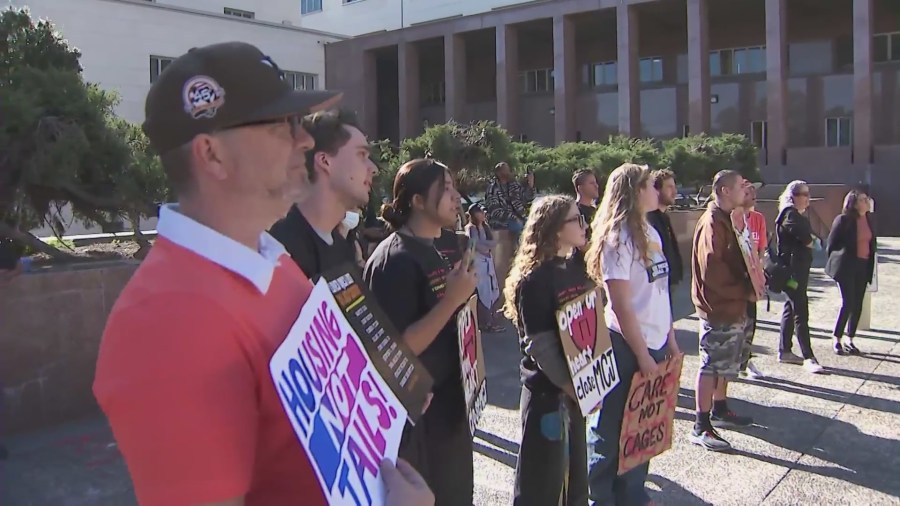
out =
column 825, row 439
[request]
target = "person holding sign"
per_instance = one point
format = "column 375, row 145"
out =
column 182, row 373
column 552, row 464
column 420, row 292
column 625, row 253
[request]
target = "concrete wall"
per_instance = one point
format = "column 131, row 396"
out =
column 49, row 337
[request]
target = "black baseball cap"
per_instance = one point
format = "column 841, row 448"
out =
column 222, row 86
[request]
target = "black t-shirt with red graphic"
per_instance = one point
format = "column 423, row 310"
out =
column 407, row 276
column 539, row 297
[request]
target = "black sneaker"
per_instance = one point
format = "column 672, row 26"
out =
column 729, row 419
column 709, row 439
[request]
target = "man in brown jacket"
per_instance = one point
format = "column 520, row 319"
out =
column 720, row 290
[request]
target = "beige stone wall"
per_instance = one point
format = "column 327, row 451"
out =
column 49, row 337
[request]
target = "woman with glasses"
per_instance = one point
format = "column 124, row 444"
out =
column 625, row 253
column 795, row 242
column 851, row 262
column 552, row 463
column 421, row 292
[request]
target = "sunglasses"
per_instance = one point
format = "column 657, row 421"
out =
column 580, row 219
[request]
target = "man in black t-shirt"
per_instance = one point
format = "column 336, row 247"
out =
column 664, row 182
column 340, row 175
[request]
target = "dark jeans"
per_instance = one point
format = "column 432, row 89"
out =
column 853, row 290
column 795, row 318
column 552, row 465
column 603, row 431
column 751, row 331
column 442, row 453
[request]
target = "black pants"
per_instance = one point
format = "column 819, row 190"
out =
column 795, row 319
column 853, row 289
column 552, row 465
column 751, row 331
column 442, row 452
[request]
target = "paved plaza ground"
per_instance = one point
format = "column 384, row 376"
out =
column 829, row 439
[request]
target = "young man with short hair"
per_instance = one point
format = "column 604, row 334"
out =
column 340, row 175
column 664, row 182
column 720, row 289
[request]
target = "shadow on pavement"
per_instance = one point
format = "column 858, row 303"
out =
column 862, row 401
column 672, row 493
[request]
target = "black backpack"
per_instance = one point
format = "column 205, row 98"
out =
column 777, row 272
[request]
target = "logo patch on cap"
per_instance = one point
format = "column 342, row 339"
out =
column 202, row 97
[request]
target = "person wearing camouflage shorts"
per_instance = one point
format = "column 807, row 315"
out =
column 721, row 289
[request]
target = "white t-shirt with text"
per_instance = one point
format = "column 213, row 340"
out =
column 648, row 284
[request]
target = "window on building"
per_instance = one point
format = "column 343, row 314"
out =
column 157, row 65
column 239, row 13
column 886, row 47
column 308, row 6
column 537, row 81
column 651, row 69
column 759, row 134
column 736, row 61
column 433, row 93
column 302, row 80
column 600, row 74
column 838, row 131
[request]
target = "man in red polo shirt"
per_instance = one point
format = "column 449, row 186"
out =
column 183, row 370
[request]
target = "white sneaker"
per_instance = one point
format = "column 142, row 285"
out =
column 753, row 372
column 812, row 366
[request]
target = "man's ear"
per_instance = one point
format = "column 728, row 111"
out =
column 322, row 161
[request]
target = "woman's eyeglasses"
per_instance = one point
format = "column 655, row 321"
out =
column 580, row 219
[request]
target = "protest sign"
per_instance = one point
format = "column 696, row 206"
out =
column 471, row 360
column 588, row 349
column 390, row 356
column 649, row 414
column 344, row 413
column 748, row 248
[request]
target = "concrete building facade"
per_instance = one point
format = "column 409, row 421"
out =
column 814, row 84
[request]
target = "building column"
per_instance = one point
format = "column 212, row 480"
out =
column 408, row 89
column 508, row 78
column 370, row 94
column 862, row 82
column 454, row 76
column 698, row 66
column 629, row 79
column 564, row 76
column 776, row 82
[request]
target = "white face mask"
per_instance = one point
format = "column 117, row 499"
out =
column 351, row 220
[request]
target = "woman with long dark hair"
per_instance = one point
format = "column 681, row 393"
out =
column 421, row 292
column 625, row 254
column 851, row 262
column 795, row 241
column 552, row 463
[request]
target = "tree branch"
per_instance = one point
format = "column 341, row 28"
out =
column 36, row 244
